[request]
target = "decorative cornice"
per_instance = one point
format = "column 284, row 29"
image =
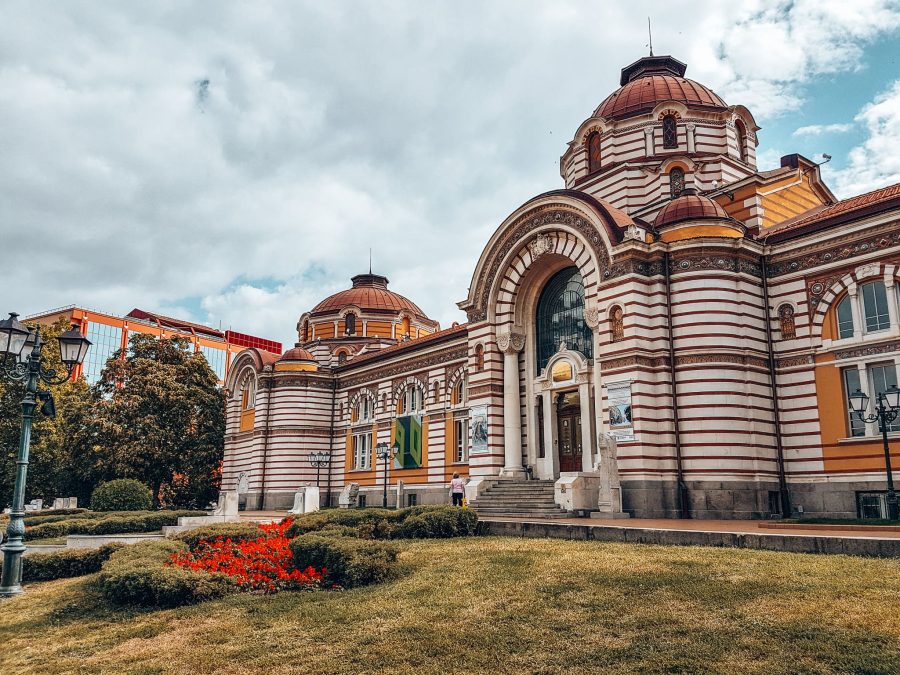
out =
column 630, row 361
column 841, row 248
column 644, row 268
column 742, row 359
column 715, row 262
column 408, row 365
column 794, row 361
column 871, row 350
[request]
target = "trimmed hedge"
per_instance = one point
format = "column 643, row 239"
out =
column 440, row 523
column 348, row 562
column 65, row 564
column 233, row 531
column 114, row 523
column 137, row 575
column 415, row 522
column 122, row 494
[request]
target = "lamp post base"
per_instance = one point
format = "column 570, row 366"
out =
column 10, row 582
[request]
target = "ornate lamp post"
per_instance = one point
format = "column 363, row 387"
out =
column 887, row 408
column 320, row 460
column 385, row 452
column 20, row 361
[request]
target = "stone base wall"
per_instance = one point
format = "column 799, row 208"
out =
column 744, row 500
column 705, row 499
column 282, row 501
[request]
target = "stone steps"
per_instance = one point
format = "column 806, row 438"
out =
column 519, row 499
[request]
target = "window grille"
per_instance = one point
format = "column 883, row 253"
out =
column 670, row 132
column 560, row 317
column 676, row 182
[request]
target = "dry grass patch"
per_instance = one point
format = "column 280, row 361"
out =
column 497, row 604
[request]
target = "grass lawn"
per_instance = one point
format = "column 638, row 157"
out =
column 497, row 604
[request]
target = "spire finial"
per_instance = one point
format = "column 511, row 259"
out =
column 650, row 33
column 370, row 260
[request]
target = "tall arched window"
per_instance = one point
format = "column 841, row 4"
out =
column 350, row 324
column 616, row 324
column 560, row 317
column 676, row 181
column 741, row 139
column 304, row 330
column 593, row 148
column 479, row 358
column 845, row 318
column 670, row 132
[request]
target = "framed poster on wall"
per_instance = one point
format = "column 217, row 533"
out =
column 621, row 424
column 478, row 430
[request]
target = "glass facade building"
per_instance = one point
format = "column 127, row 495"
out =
column 105, row 340
column 216, row 359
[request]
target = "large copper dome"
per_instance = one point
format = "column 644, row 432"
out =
column 652, row 80
column 369, row 292
column 690, row 206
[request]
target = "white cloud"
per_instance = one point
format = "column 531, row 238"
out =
column 875, row 163
column 819, row 129
column 329, row 128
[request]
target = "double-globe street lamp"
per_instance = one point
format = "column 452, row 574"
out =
column 887, row 408
column 21, row 361
column 385, row 452
column 321, row 460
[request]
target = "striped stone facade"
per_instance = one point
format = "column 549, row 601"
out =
column 715, row 332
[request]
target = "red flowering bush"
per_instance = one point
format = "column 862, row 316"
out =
column 264, row 564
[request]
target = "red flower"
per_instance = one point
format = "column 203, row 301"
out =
column 264, row 564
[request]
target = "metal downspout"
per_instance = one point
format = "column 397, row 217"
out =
column 265, row 457
column 779, row 446
column 331, row 438
column 681, row 488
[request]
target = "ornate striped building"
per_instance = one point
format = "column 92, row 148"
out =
column 674, row 333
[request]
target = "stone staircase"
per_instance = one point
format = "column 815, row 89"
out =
column 519, row 499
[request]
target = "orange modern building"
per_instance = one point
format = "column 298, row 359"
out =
column 109, row 333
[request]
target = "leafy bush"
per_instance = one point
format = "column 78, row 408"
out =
column 113, row 523
column 438, row 523
column 122, row 494
column 138, row 575
column 346, row 561
column 341, row 517
column 65, row 564
column 424, row 522
column 234, row 531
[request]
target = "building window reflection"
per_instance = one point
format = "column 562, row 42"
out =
column 105, row 341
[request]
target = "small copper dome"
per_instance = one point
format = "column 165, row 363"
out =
column 689, row 206
column 652, row 80
column 369, row 292
column 297, row 354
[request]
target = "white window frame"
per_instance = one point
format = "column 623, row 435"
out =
column 461, row 440
column 412, row 400
column 867, row 385
column 864, row 314
column 362, row 450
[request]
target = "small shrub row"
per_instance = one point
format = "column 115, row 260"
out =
column 113, row 524
column 346, row 561
column 66, row 564
column 415, row 522
column 122, row 494
column 139, row 575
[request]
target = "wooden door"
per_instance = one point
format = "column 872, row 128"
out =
column 569, row 429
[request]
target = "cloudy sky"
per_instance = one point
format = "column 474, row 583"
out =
column 233, row 162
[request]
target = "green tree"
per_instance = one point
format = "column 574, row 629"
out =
column 157, row 415
column 50, row 461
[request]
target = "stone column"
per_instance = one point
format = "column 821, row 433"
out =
column 648, row 141
column 855, row 311
column 892, row 303
column 690, row 127
column 551, row 456
column 587, row 436
column 511, row 344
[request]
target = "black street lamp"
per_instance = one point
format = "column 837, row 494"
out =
column 385, row 452
column 20, row 361
column 887, row 407
column 320, row 460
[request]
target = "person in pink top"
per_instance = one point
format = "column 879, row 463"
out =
column 457, row 490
